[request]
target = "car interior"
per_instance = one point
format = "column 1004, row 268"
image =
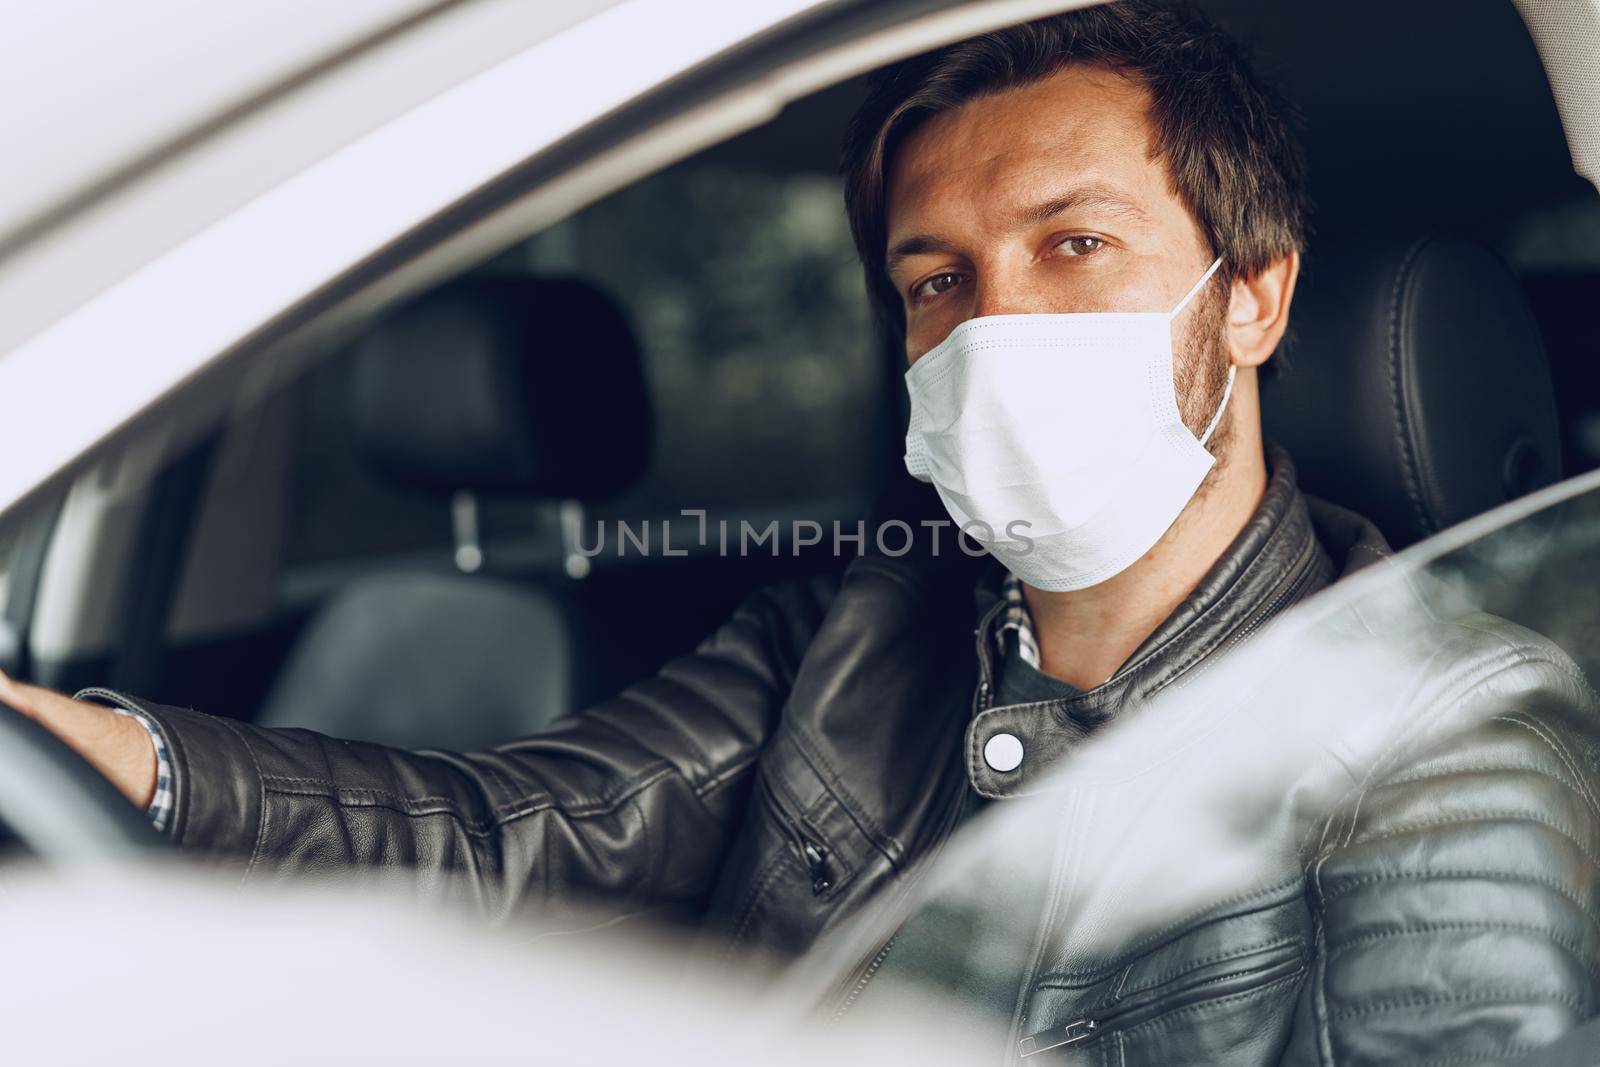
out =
column 396, row 545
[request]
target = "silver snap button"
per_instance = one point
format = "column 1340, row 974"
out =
column 1003, row 752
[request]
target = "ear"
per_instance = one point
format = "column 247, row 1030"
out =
column 1258, row 311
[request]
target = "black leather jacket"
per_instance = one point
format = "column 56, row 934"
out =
column 822, row 741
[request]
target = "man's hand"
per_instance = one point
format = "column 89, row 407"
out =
column 116, row 745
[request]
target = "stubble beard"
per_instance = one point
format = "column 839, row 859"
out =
column 1201, row 377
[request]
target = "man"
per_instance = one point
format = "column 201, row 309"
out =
column 1013, row 197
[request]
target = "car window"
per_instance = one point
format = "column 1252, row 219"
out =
column 746, row 297
column 8, row 552
column 24, row 536
column 744, row 294
column 1214, row 791
column 1553, row 248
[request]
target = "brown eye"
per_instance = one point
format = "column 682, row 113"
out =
column 935, row 284
column 1081, row 246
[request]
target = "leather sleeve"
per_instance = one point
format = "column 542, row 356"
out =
column 631, row 801
column 1456, row 902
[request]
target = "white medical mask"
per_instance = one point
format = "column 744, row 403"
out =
column 1055, row 440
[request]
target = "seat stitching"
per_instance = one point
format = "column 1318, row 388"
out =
column 1402, row 423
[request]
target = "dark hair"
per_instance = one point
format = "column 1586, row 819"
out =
column 1223, row 134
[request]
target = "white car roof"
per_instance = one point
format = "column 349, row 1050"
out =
column 105, row 84
column 140, row 285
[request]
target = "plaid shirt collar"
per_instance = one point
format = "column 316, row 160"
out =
column 1014, row 618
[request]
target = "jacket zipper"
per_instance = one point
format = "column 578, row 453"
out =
column 864, row 974
column 812, row 852
column 1206, row 984
column 1284, row 600
column 980, row 701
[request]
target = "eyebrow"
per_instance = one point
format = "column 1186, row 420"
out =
column 1103, row 197
column 1096, row 195
column 920, row 245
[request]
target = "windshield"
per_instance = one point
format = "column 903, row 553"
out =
column 1216, row 792
column 464, row 507
column 1215, row 796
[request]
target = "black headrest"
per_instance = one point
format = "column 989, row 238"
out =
column 519, row 385
column 1416, row 389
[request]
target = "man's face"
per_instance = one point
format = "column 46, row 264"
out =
column 1045, row 198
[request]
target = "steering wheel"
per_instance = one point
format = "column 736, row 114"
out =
column 58, row 806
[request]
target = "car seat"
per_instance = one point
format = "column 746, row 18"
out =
column 516, row 386
column 1415, row 389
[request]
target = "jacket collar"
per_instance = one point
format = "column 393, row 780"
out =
column 1277, row 560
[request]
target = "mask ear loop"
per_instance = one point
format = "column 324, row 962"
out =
column 1206, row 277
column 1226, row 393
column 1232, row 370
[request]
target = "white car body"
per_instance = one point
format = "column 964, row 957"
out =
column 123, row 268
column 198, row 195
